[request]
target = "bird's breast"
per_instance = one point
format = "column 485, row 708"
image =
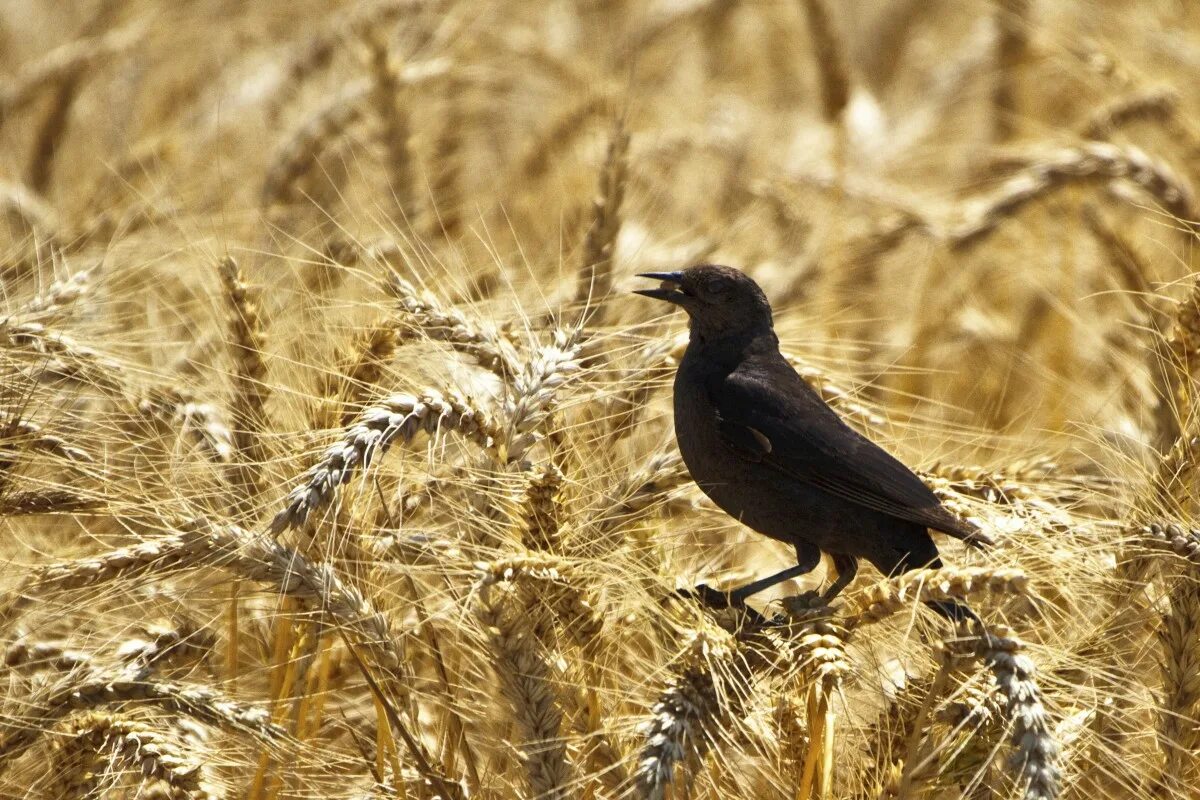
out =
column 697, row 432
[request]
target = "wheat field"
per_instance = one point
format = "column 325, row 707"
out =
column 336, row 456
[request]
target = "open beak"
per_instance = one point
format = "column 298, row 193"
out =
column 669, row 290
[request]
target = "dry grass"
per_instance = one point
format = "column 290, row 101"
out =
column 336, row 457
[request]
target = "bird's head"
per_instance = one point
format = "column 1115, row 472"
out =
column 721, row 301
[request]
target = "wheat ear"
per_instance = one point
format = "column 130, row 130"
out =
column 1179, row 717
column 51, row 501
column 203, row 422
column 60, row 64
column 534, row 393
column 250, row 389
column 822, row 650
column 638, row 493
column 688, row 715
column 300, row 152
column 935, row 585
column 23, row 434
column 60, row 358
column 29, row 656
column 1050, row 170
column 832, row 68
column 98, row 742
column 542, row 514
column 1175, row 362
column 526, row 683
column 254, row 557
column 58, row 297
column 400, row 416
column 1035, row 752
column 424, row 315
column 595, row 279
column 343, row 392
column 1155, row 104
column 93, row 690
column 393, row 128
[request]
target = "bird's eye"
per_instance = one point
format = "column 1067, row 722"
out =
column 717, row 285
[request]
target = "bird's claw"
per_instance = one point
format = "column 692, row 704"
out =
column 806, row 601
column 743, row 618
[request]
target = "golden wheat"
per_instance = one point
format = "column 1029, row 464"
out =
column 246, row 553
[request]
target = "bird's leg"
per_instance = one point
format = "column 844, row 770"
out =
column 847, row 567
column 807, row 558
column 711, row 597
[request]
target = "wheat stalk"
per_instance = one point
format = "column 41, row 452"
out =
column 667, row 20
column 890, row 732
column 1172, row 537
column 561, row 133
column 59, row 357
column 447, row 190
column 915, row 770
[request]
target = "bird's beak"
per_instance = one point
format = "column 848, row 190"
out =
column 669, row 290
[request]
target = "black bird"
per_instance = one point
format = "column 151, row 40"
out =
column 766, row 448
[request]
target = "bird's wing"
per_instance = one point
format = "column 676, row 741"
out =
column 769, row 415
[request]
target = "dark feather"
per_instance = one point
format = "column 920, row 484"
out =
column 770, row 415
